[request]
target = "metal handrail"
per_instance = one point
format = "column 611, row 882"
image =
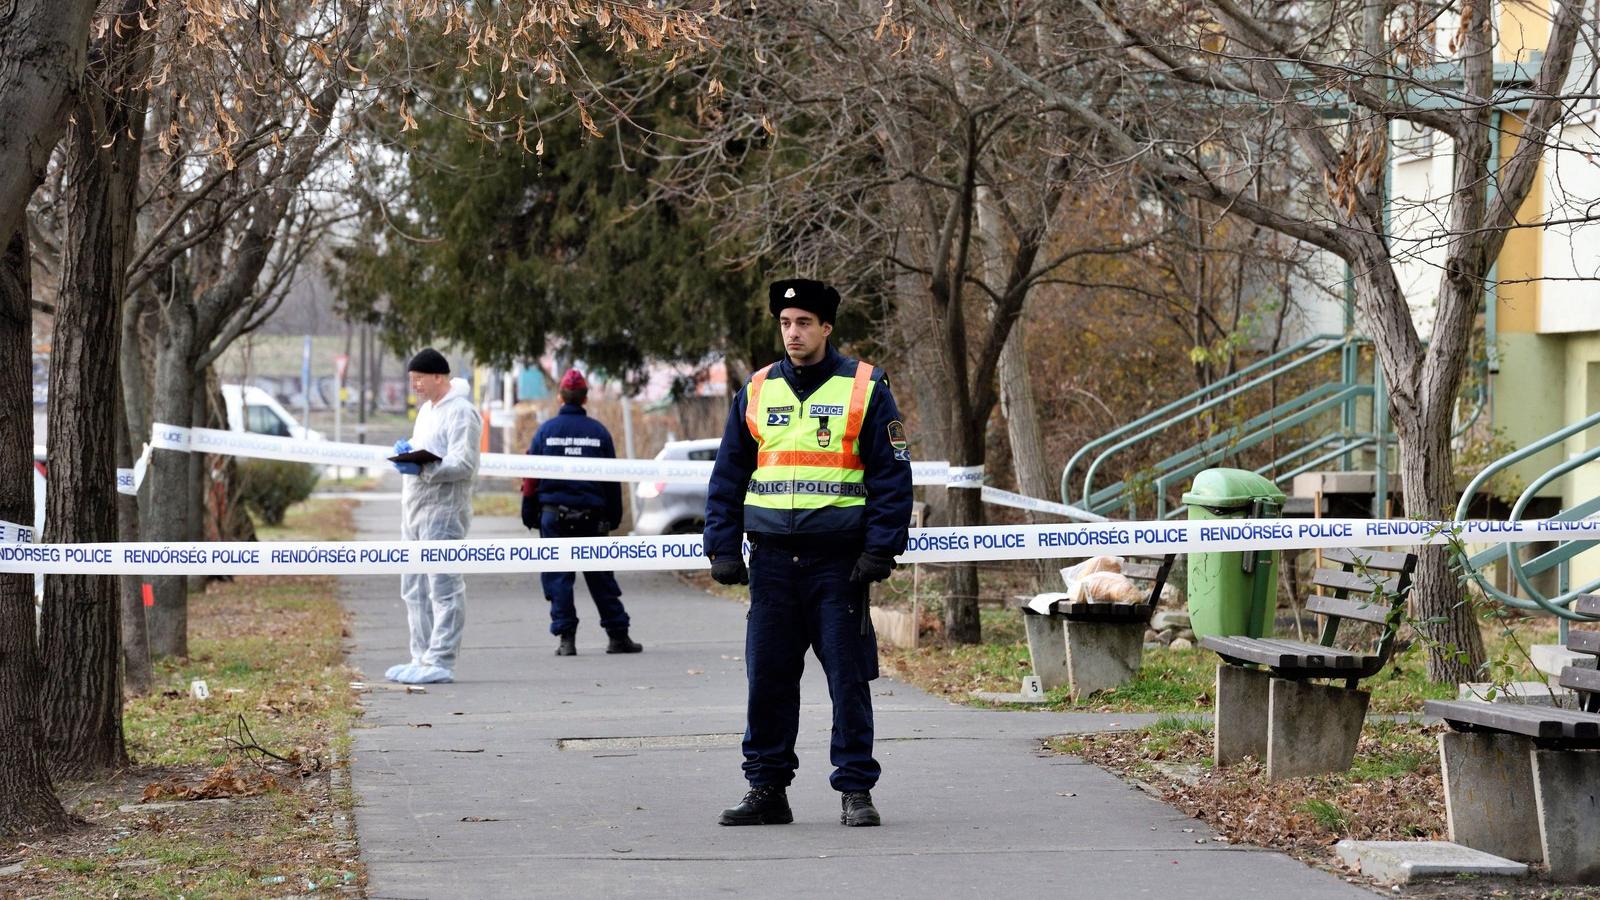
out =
column 1516, row 456
column 1556, row 606
column 1192, row 396
column 1088, row 479
column 1226, row 439
column 1325, row 401
column 1348, row 444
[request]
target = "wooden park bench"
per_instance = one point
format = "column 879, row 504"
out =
column 1523, row 781
column 1276, row 712
column 1093, row 645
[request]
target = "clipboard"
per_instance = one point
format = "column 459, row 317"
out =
column 421, row 457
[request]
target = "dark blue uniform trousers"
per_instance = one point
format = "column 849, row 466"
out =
column 800, row 602
column 558, row 585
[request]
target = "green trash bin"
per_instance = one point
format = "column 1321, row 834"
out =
column 1233, row 593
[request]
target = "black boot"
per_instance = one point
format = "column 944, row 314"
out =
column 620, row 643
column 856, row 809
column 761, row 806
column 569, row 645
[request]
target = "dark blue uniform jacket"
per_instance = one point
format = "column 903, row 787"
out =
column 888, row 479
column 571, row 433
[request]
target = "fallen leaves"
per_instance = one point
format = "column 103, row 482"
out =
column 1303, row 816
column 227, row 780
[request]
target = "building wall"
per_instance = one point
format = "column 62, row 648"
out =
column 1570, row 255
column 1529, row 397
column 1519, row 265
column 1583, row 400
column 1419, row 186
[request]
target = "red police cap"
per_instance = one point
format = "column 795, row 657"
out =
column 574, row 381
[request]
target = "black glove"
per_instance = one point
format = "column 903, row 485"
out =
column 530, row 512
column 730, row 570
column 870, row 567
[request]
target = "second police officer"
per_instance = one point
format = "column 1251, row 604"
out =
column 814, row 466
column 573, row 508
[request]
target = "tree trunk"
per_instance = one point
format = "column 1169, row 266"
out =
column 1440, row 603
column 136, row 671
column 199, row 480
column 1027, row 444
column 1016, row 387
column 961, row 621
column 81, row 631
column 28, row 802
column 920, row 343
column 43, row 51
column 134, row 423
column 1420, row 409
column 169, row 474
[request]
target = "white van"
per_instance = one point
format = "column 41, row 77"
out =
column 254, row 410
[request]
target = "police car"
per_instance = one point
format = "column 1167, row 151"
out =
column 660, row 507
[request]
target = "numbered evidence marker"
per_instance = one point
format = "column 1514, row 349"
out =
column 1032, row 689
column 198, row 690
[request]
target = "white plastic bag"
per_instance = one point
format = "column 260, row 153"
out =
column 1073, row 574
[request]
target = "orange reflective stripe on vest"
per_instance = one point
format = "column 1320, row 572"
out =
column 820, row 458
column 753, row 404
column 858, row 410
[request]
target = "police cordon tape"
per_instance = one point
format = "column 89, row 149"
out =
column 927, row 545
column 12, row 533
column 521, row 465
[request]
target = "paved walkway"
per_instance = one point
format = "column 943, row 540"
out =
column 602, row 776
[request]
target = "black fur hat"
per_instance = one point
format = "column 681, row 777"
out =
column 803, row 293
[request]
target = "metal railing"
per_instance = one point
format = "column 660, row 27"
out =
column 1341, row 396
column 1559, row 558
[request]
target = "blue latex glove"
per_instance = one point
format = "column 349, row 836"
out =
column 402, row 446
column 408, row 468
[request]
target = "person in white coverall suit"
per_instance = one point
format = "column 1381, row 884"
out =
column 436, row 505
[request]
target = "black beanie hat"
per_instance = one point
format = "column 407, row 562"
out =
column 803, row 293
column 429, row 361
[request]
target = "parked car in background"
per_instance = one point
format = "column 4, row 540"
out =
column 663, row 508
column 256, row 411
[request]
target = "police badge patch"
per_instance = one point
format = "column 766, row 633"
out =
column 897, row 435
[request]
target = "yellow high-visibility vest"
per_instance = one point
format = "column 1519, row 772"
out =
column 809, row 478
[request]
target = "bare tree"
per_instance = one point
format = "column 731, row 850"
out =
column 27, row 800
column 80, row 631
column 42, row 57
column 919, row 179
column 1198, row 82
column 43, row 46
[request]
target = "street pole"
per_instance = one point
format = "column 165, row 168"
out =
column 340, row 363
column 305, row 385
column 627, row 427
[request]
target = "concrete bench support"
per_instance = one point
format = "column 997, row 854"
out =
column 1241, row 719
column 1566, row 790
column 1102, row 655
column 1312, row 729
column 1489, row 795
column 1296, row 727
column 1047, row 645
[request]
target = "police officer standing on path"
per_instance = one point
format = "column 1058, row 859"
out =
column 566, row 508
column 814, row 466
